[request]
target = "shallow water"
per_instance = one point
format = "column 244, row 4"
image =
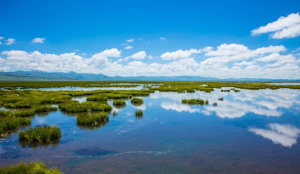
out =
column 248, row 132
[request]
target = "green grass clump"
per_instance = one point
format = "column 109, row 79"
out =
column 206, row 102
column 10, row 124
column 139, row 114
column 96, row 98
column 5, row 113
column 29, row 168
column 225, row 90
column 119, row 103
column 100, row 107
column 45, row 109
column 93, row 119
column 137, row 101
column 74, row 107
column 215, row 104
column 193, row 101
column 221, row 99
column 24, row 113
column 118, row 96
column 115, row 113
column 40, row 134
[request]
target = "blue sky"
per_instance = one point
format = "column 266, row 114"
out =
column 87, row 28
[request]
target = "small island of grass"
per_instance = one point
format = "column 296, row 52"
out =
column 29, row 168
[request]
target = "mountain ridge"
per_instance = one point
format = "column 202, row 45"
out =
column 37, row 75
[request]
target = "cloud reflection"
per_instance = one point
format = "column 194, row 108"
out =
column 261, row 102
column 178, row 107
column 283, row 134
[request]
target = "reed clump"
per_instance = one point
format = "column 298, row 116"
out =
column 221, row 99
column 225, row 90
column 24, row 113
column 215, row 104
column 29, row 168
column 137, row 101
column 139, row 114
column 40, row 134
column 10, row 124
column 92, row 119
column 45, row 109
column 100, row 107
column 119, row 103
column 193, row 101
column 206, row 102
column 96, row 98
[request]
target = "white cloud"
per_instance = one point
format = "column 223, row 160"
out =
column 0, row 43
column 38, row 40
column 1, row 37
column 10, row 41
column 286, row 135
column 16, row 60
column 76, row 50
column 130, row 40
column 150, row 57
column 162, row 38
column 284, row 27
column 178, row 107
column 138, row 55
column 84, row 54
column 179, row 54
column 128, row 47
column 265, row 62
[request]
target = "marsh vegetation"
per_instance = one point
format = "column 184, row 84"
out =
column 139, row 114
column 29, row 168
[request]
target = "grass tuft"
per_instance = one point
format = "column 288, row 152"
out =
column 29, row 168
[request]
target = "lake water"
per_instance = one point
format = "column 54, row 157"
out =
column 248, row 132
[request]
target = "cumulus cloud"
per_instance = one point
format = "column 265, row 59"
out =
column 138, row 55
column 130, row 40
column 128, row 47
column 283, row 134
column 226, row 61
column 17, row 59
column 10, row 41
column 179, row 54
column 284, row 27
column 1, row 37
column 0, row 43
column 38, row 40
column 150, row 57
column 178, row 107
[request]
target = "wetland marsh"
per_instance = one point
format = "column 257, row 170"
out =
column 162, row 127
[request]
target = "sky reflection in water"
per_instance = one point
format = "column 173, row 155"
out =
column 249, row 131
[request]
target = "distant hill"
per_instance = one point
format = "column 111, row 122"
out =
column 73, row 76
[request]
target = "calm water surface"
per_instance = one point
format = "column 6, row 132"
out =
column 247, row 132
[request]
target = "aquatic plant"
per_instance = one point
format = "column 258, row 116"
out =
column 220, row 99
column 10, row 124
column 40, row 134
column 5, row 113
column 92, row 119
column 119, row 102
column 24, row 113
column 139, row 114
column 115, row 113
column 100, row 107
column 206, row 102
column 96, row 98
column 74, row 107
column 215, row 104
column 29, row 168
column 137, row 101
column 45, row 109
column 193, row 101
column 225, row 90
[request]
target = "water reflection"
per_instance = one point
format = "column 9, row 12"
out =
column 235, row 104
column 179, row 107
column 283, row 134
